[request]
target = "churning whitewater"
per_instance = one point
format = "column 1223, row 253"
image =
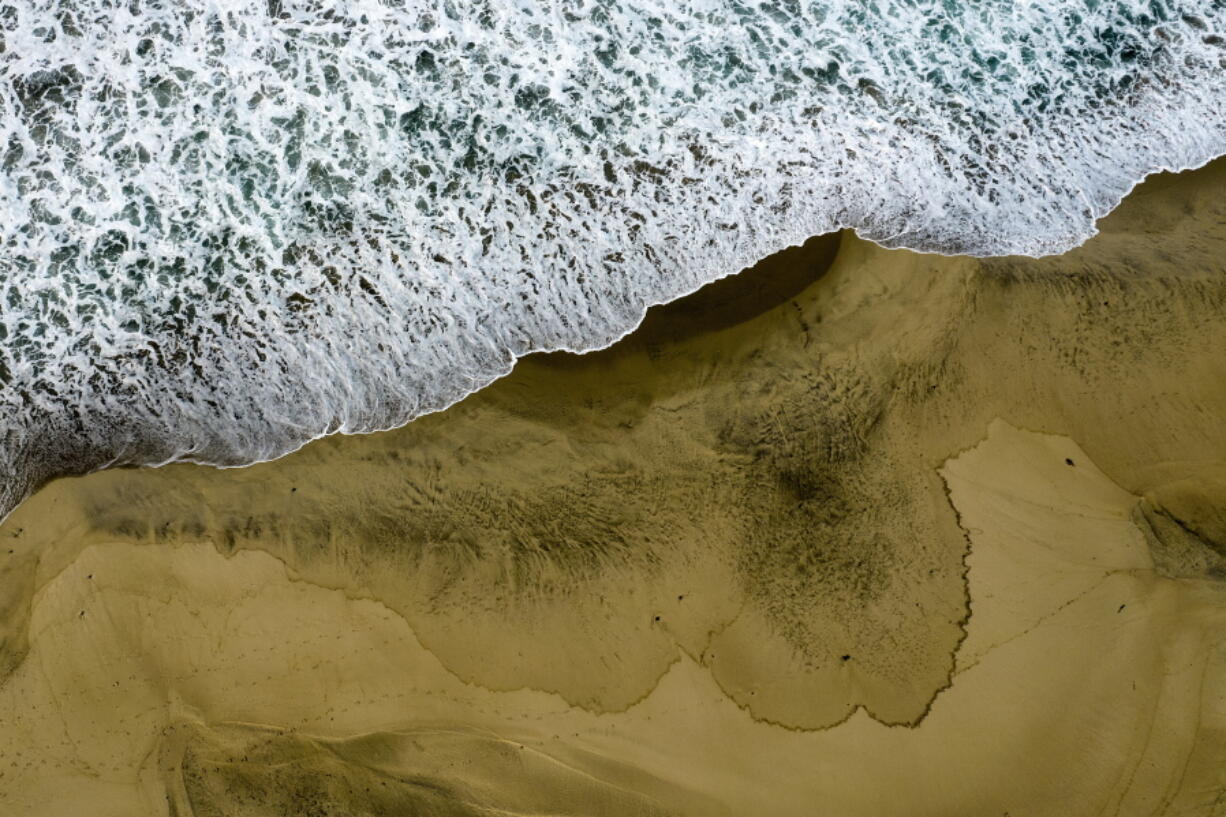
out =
column 231, row 226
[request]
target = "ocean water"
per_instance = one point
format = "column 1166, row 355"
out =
column 231, row 226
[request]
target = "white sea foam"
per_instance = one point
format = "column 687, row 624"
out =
column 232, row 226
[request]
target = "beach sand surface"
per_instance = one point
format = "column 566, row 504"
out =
column 856, row 532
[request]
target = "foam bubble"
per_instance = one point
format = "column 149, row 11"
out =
column 232, row 226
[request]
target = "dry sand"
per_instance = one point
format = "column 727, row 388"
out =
column 858, row 532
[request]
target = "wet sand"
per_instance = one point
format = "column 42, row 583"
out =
column 855, row 532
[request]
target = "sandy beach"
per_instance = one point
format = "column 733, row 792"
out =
column 855, row 532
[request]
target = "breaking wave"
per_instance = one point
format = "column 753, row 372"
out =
column 231, row 226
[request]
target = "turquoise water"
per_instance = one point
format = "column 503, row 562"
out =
column 229, row 227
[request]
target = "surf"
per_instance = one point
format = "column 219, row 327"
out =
column 232, row 227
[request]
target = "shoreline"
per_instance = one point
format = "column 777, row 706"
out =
column 795, row 500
